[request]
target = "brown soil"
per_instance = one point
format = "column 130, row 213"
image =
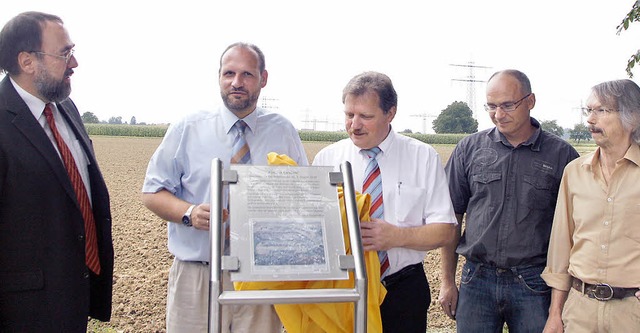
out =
column 140, row 240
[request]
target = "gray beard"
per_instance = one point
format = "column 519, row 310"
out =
column 49, row 88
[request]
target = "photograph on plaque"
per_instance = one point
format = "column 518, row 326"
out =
column 292, row 246
column 285, row 224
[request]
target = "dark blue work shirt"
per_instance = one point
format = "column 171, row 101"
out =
column 508, row 193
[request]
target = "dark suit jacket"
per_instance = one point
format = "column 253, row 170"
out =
column 45, row 285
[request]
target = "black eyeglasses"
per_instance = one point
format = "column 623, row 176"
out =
column 506, row 107
column 67, row 56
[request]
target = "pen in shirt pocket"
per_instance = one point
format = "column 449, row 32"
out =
column 399, row 185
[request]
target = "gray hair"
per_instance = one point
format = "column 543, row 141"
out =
column 624, row 96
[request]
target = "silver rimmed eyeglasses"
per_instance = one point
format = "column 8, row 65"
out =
column 507, row 106
column 66, row 56
column 597, row 112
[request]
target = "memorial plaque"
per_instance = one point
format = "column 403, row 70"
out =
column 285, row 224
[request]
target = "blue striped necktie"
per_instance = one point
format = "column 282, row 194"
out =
column 373, row 186
column 240, row 153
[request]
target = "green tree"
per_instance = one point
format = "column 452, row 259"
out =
column 552, row 126
column 632, row 16
column 89, row 118
column 580, row 132
column 455, row 118
column 133, row 120
column 115, row 120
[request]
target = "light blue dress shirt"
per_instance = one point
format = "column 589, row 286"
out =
column 182, row 163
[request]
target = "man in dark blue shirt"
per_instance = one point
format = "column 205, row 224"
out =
column 506, row 180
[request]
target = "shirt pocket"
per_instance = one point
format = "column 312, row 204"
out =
column 632, row 217
column 539, row 192
column 487, row 184
column 410, row 203
column 486, row 177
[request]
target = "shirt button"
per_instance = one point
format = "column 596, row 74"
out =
column 85, row 275
column 80, row 237
column 606, row 222
column 609, row 199
column 604, row 247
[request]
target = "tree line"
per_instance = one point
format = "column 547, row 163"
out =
column 91, row 118
column 457, row 118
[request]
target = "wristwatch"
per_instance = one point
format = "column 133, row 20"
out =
column 186, row 218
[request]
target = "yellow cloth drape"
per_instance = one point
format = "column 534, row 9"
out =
column 329, row 317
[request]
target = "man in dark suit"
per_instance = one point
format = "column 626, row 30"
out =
column 56, row 251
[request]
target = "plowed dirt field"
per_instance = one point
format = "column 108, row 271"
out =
column 140, row 240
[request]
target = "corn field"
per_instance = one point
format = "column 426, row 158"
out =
column 307, row 136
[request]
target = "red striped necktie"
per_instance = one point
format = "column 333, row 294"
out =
column 91, row 243
column 373, row 185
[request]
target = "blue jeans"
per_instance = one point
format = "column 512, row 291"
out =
column 490, row 296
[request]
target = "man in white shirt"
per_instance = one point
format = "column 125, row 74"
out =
column 417, row 212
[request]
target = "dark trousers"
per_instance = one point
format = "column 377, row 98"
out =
column 404, row 309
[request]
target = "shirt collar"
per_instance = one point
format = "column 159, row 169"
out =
column 632, row 155
column 533, row 141
column 229, row 119
column 385, row 144
column 590, row 159
column 36, row 105
column 388, row 141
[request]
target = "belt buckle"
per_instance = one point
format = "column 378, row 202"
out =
column 601, row 289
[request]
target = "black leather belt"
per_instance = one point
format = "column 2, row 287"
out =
column 402, row 274
column 602, row 291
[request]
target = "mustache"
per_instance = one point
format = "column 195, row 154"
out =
column 594, row 129
column 238, row 90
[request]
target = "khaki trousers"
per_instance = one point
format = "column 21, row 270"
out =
column 583, row 314
column 188, row 304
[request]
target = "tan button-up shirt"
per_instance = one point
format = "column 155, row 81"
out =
column 596, row 228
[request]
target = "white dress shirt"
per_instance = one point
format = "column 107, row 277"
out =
column 415, row 189
column 36, row 106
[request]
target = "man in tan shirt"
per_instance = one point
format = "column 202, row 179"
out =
column 593, row 261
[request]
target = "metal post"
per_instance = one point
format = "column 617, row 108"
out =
column 215, row 239
column 360, row 320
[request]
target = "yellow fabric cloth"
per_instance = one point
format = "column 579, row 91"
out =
column 329, row 317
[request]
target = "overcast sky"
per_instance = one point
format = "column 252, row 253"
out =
column 158, row 61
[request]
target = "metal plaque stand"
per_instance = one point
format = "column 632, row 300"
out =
column 218, row 262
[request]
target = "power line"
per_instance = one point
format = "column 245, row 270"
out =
column 269, row 103
column 424, row 117
column 471, row 82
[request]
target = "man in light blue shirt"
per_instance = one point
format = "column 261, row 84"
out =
column 177, row 188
